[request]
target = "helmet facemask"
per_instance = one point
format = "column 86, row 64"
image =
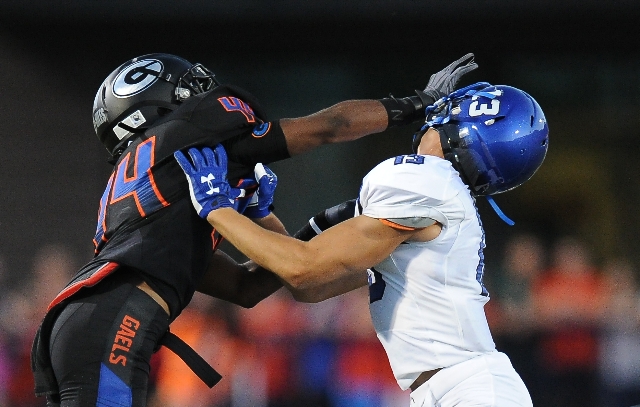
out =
column 197, row 79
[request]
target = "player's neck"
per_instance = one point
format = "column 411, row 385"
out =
column 430, row 144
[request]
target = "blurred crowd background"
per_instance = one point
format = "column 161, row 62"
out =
column 564, row 281
column 570, row 326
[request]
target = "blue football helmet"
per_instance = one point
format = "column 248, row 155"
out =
column 496, row 137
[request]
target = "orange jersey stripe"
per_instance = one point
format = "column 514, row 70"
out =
column 396, row 225
column 89, row 282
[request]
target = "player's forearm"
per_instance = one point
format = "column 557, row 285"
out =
column 241, row 284
column 257, row 285
column 321, row 292
column 345, row 121
column 292, row 260
column 272, row 222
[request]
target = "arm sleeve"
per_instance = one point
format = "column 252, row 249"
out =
column 325, row 219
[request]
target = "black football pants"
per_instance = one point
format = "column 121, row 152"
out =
column 101, row 345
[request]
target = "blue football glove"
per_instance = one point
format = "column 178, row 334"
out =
column 207, row 178
column 260, row 206
column 247, row 187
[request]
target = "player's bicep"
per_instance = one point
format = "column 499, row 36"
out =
column 264, row 144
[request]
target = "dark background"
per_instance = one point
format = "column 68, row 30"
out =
column 580, row 60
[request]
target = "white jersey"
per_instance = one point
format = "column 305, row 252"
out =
column 427, row 298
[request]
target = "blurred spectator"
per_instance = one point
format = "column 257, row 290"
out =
column 522, row 262
column 568, row 306
column 203, row 326
column 5, row 356
column 620, row 342
column 52, row 268
column 510, row 310
column 275, row 328
column 363, row 376
column 280, row 354
column 287, row 354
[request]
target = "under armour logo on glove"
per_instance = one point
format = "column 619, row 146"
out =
column 208, row 180
column 210, row 168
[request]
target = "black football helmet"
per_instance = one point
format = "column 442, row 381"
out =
column 142, row 90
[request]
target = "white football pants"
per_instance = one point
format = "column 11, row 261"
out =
column 484, row 381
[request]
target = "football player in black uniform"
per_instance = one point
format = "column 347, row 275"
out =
column 152, row 251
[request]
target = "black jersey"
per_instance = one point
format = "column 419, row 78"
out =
column 146, row 220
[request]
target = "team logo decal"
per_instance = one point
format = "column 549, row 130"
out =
column 137, row 77
column 261, row 129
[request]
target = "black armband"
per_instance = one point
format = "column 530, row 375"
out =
column 406, row 110
column 325, row 219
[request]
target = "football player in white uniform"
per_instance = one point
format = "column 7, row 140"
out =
column 417, row 233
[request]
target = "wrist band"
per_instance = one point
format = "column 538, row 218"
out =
column 405, row 110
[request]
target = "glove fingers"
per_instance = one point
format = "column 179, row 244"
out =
column 272, row 176
column 209, row 156
column 259, row 171
column 263, row 172
column 197, row 158
column 464, row 69
column 467, row 59
column 220, row 157
column 183, row 162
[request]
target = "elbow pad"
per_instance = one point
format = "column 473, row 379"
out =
column 325, row 219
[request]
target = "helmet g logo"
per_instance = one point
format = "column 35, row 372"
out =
column 137, row 77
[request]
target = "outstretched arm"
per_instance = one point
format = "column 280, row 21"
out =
column 352, row 119
column 342, row 252
column 345, row 121
column 247, row 284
